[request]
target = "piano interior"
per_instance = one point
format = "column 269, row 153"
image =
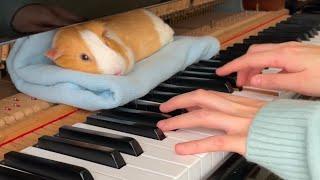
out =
column 24, row 119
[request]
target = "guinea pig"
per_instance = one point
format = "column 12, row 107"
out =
column 111, row 45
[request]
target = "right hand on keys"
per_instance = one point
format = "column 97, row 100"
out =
column 300, row 64
column 209, row 109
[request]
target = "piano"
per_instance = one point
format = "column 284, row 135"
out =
column 41, row 140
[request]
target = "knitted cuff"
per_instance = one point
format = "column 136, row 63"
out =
column 278, row 137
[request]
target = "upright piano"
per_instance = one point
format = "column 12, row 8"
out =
column 42, row 140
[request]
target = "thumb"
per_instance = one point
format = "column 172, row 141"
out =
column 275, row 81
column 213, row 144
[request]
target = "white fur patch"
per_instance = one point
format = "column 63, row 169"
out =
column 164, row 30
column 108, row 60
column 129, row 52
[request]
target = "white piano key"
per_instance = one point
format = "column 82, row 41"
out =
column 254, row 95
column 127, row 172
column 98, row 176
column 167, row 144
column 183, row 136
column 193, row 164
column 157, row 166
column 205, row 131
column 217, row 157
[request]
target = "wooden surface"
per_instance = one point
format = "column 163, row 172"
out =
column 46, row 122
column 264, row 5
column 250, row 27
column 229, row 28
column 7, row 89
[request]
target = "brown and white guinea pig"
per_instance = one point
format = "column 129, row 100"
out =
column 111, row 45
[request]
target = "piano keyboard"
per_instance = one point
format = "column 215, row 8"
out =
column 125, row 144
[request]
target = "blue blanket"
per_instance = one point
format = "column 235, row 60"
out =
column 35, row 75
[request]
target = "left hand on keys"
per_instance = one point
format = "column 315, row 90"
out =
column 209, row 109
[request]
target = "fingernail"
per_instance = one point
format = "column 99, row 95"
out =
column 218, row 71
column 256, row 81
column 161, row 107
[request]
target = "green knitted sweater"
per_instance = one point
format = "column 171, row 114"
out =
column 285, row 138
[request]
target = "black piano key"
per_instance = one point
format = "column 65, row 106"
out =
column 239, row 47
column 295, row 26
column 205, row 75
column 125, row 126
column 211, row 63
column 263, row 41
column 7, row 173
column 273, row 38
column 310, row 32
column 284, row 36
column 226, row 58
column 146, row 118
column 232, row 52
column 303, row 36
column 145, row 105
column 179, row 89
column 45, row 167
column 159, row 96
column 306, row 17
column 311, row 24
column 123, row 144
column 195, row 67
column 90, row 152
column 201, row 83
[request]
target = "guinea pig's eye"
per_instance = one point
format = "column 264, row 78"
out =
column 84, row 57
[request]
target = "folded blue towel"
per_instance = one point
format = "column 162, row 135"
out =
column 35, row 75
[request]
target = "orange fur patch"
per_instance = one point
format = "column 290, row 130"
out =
column 137, row 31
column 72, row 46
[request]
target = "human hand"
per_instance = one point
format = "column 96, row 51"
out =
column 300, row 64
column 209, row 109
column 37, row 18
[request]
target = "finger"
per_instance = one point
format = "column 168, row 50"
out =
column 271, row 46
column 242, row 100
column 193, row 109
column 253, row 73
column 213, row 144
column 242, row 77
column 206, row 100
column 261, row 47
column 276, row 59
column 276, row 81
column 245, row 76
column 205, row 118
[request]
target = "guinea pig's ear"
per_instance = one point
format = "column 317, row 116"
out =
column 53, row 54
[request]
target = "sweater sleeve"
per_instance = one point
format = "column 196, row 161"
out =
column 285, row 138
